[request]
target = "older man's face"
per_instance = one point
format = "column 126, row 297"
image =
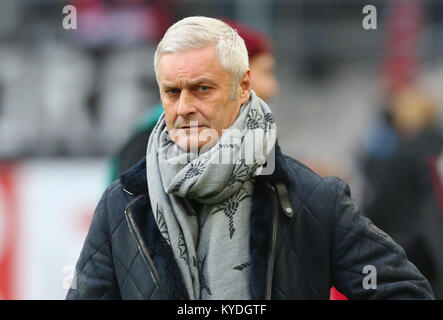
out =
column 196, row 91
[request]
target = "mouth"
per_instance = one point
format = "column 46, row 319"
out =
column 192, row 127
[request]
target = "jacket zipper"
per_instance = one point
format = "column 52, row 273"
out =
column 271, row 256
column 143, row 249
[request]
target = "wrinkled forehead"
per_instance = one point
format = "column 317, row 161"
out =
column 191, row 65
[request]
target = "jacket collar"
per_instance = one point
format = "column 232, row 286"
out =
column 134, row 179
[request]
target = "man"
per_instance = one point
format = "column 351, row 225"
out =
column 184, row 223
column 263, row 82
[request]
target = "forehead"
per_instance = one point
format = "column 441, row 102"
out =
column 191, row 64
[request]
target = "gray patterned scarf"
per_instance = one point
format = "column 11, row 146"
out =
column 211, row 246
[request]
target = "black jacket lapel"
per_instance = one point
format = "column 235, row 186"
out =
column 134, row 182
column 261, row 228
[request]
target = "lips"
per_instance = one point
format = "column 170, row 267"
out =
column 189, row 127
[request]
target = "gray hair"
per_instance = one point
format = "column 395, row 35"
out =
column 198, row 32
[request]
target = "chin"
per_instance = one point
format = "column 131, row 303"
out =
column 200, row 141
column 194, row 145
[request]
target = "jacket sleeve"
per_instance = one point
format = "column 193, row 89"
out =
column 366, row 263
column 94, row 273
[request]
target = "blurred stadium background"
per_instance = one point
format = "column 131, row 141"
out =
column 70, row 98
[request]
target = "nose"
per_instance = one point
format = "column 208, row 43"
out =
column 186, row 104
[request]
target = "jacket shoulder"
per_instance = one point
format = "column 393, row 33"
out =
column 111, row 207
column 315, row 195
column 306, row 183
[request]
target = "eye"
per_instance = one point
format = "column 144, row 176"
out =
column 172, row 91
column 203, row 88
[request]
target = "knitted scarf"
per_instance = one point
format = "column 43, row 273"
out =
column 210, row 245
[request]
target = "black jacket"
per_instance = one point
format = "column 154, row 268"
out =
column 306, row 236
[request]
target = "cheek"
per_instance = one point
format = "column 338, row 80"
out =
column 217, row 111
column 208, row 108
column 170, row 115
column 210, row 113
column 226, row 118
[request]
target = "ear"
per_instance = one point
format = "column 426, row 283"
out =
column 245, row 87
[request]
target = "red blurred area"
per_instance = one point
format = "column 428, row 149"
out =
column 337, row 295
column 9, row 232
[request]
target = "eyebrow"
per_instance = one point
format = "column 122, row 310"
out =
column 192, row 83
